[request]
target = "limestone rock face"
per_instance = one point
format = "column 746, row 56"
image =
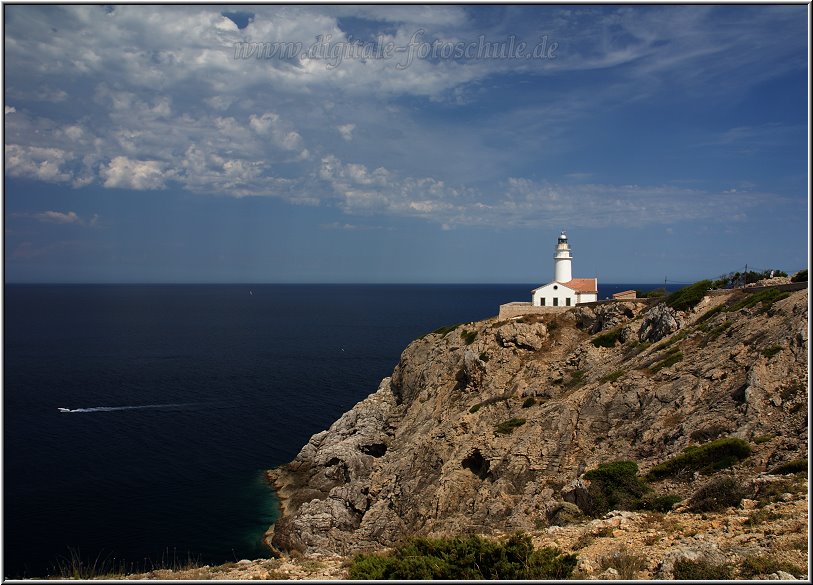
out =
column 522, row 335
column 614, row 315
column 452, row 444
column 658, row 322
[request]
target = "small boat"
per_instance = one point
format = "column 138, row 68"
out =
column 64, row 409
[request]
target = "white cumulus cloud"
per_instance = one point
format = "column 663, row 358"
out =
column 124, row 173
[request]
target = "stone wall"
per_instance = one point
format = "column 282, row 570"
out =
column 516, row 309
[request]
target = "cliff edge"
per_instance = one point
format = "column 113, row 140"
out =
column 488, row 427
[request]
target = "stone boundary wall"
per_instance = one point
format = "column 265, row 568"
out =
column 515, row 309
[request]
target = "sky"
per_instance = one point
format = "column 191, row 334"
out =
column 404, row 144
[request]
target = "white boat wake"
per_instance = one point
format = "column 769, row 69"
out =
column 112, row 408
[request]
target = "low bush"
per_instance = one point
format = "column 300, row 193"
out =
column 468, row 336
column 718, row 330
column 483, row 357
column 613, row 486
column 706, row 458
column 700, row 570
column 771, row 351
column 651, row 294
column 446, row 329
column 613, row 376
column 688, row 296
column 528, row 402
column 608, row 339
column 475, row 408
column 655, row 503
column 709, row 314
column 760, row 516
column 673, row 357
column 770, row 492
column 628, row 565
column 740, row 278
column 767, row 297
column 465, row 557
column 507, row 427
column 765, row 565
column 800, row 276
column 708, row 433
column 795, row 466
column 718, row 494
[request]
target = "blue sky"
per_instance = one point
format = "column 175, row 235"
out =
column 140, row 146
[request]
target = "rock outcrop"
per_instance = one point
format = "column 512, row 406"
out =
column 488, row 428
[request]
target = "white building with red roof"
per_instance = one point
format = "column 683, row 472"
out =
column 564, row 291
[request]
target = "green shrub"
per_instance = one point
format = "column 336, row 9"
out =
column 764, row 565
column 688, row 296
column 795, row 466
column 447, row 329
column 770, row 492
column 718, row 494
column 741, row 278
column 465, row 557
column 800, row 276
column 655, row 503
column 483, row 357
column 763, row 439
column 468, row 336
column 709, row 314
column 607, row 339
column 475, row 408
column 708, row 433
column 507, row 427
column 764, row 515
column 613, row 376
column 613, row 486
column 771, row 351
column 718, row 330
column 628, row 565
column 706, row 458
column 671, row 359
column 700, row 570
column 528, row 402
column 766, row 296
column 654, row 293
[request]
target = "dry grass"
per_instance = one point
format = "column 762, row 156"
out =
column 627, row 564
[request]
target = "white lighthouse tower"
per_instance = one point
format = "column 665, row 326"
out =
column 562, row 260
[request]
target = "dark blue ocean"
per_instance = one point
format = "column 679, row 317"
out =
column 179, row 397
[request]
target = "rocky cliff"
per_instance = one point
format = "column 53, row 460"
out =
column 487, row 427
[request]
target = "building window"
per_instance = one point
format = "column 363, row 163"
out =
column 555, row 301
column 542, row 301
column 567, row 301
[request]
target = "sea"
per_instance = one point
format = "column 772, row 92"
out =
column 138, row 420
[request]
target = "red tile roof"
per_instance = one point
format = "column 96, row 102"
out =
column 583, row 285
